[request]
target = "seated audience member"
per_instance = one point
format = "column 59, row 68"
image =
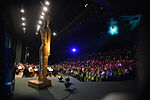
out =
column 19, row 68
column 49, row 71
column 31, row 73
column 26, row 72
column 55, row 72
column 30, row 67
column 36, row 70
column 17, row 71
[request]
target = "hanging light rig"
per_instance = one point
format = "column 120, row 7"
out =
column 23, row 19
column 113, row 28
column 42, row 15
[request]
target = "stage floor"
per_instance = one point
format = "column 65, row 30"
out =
column 116, row 90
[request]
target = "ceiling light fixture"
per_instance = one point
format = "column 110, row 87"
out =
column 43, row 13
column 23, row 24
column 54, row 34
column 40, row 22
column 47, row 3
column 38, row 26
column 42, row 17
column 23, row 18
column 45, row 8
column 86, row 5
column 22, row 10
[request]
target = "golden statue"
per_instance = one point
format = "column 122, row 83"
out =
column 44, row 50
column 44, row 53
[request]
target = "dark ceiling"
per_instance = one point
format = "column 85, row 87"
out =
column 64, row 14
column 75, row 24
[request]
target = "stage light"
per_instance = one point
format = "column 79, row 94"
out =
column 23, row 18
column 40, row 22
column 74, row 49
column 36, row 33
column 42, row 17
column 43, row 13
column 86, row 5
column 22, row 10
column 23, row 24
column 24, row 29
column 38, row 26
column 54, row 34
column 45, row 8
column 113, row 30
column 47, row 3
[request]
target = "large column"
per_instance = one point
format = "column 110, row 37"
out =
column 6, row 57
column 18, row 51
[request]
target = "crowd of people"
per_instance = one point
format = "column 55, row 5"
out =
column 104, row 66
column 31, row 70
column 26, row 70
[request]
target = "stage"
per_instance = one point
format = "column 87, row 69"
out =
column 109, row 90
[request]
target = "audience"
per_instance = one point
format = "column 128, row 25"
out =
column 30, row 70
column 103, row 66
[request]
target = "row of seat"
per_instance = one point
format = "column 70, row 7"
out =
column 108, row 75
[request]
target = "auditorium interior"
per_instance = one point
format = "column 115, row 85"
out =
column 74, row 50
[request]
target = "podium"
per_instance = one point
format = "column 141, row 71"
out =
column 39, row 84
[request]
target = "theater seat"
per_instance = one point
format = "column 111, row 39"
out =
column 98, row 78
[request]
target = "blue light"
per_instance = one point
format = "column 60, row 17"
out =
column 113, row 30
column 74, row 49
column 8, row 83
